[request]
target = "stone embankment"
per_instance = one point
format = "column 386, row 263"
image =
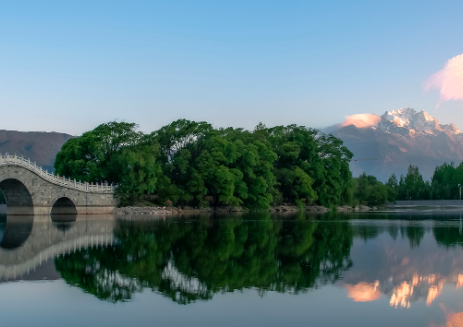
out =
column 359, row 208
column 147, row 210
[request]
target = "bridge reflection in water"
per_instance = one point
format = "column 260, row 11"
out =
column 28, row 241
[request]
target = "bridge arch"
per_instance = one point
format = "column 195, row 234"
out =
column 64, row 210
column 64, row 206
column 29, row 189
column 17, row 197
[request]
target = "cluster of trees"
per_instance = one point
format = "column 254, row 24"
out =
column 220, row 255
column 114, row 153
column 443, row 184
column 192, row 163
column 366, row 189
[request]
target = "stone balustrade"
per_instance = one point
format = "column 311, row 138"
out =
column 55, row 179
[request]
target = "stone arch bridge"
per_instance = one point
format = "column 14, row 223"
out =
column 28, row 189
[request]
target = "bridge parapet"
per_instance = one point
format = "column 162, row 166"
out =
column 55, row 179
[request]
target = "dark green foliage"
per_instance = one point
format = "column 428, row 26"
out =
column 237, row 167
column 392, row 188
column 367, row 190
column 408, row 187
column 309, row 164
column 445, row 181
column 443, row 185
column 228, row 165
column 112, row 153
column 192, row 163
column 413, row 187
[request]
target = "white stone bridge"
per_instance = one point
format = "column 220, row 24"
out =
column 28, row 189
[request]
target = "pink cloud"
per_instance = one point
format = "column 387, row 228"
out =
column 362, row 120
column 449, row 81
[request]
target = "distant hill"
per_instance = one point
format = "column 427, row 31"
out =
column 40, row 147
column 397, row 139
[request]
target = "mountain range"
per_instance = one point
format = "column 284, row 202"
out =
column 40, row 147
column 389, row 143
column 382, row 145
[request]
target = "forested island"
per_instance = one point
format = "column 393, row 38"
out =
column 188, row 163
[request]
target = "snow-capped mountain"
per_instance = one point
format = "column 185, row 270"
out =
column 408, row 121
column 397, row 139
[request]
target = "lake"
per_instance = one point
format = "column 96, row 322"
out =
column 361, row 269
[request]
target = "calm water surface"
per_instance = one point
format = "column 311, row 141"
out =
column 397, row 269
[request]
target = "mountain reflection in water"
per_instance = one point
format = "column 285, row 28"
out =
column 394, row 260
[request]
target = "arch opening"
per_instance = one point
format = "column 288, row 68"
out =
column 17, row 197
column 64, row 210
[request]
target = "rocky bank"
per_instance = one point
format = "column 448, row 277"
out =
column 148, row 210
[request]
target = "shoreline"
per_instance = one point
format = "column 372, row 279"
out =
column 153, row 210
column 173, row 211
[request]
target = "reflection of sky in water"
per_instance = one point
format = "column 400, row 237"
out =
column 404, row 273
column 55, row 303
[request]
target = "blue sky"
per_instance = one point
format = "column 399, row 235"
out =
column 68, row 66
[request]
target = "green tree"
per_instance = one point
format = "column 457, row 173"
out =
column 228, row 165
column 445, row 180
column 412, row 186
column 369, row 191
column 191, row 163
column 114, row 153
column 323, row 158
column 392, row 188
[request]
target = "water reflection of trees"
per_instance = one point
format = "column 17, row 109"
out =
column 189, row 260
column 393, row 224
column 448, row 236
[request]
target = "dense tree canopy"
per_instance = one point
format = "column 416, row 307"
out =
column 445, row 181
column 309, row 164
column 192, row 163
column 112, row 153
column 443, row 185
column 368, row 190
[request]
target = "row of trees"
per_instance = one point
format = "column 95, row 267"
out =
column 367, row 189
column 443, row 184
column 192, row 163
